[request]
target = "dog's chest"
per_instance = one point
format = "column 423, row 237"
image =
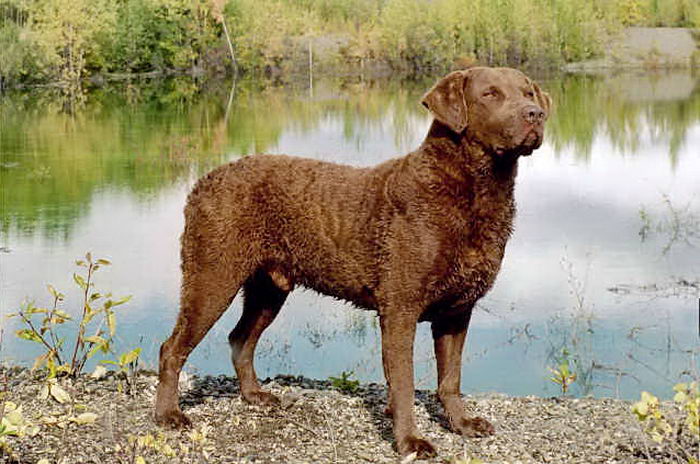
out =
column 475, row 251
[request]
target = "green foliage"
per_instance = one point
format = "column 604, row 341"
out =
column 17, row 60
column 563, row 375
column 134, row 46
column 67, row 40
column 344, row 384
column 94, row 331
column 67, row 34
column 263, row 31
column 677, row 435
column 157, row 35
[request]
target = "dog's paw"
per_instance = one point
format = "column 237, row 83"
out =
column 421, row 447
column 173, row 420
column 261, row 398
column 474, row 427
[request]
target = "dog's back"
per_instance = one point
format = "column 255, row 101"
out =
column 314, row 223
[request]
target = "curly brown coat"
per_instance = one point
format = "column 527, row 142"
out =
column 417, row 238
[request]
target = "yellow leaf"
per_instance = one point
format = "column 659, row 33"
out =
column 85, row 418
column 111, row 323
column 640, row 408
column 49, row 420
column 140, row 460
column 650, row 399
column 14, row 417
column 40, row 360
column 680, row 397
column 168, row 451
column 59, row 394
column 680, row 387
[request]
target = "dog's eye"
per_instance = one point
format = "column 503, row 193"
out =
column 530, row 94
column 490, row 93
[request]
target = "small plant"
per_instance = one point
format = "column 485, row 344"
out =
column 136, row 449
column 343, row 383
column 562, row 374
column 201, row 443
column 687, row 397
column 95, row 328
column 678, row 435
column 648, row 412
column 13, row 424
column 464, row 459
column 128, row 365
column 143, row 444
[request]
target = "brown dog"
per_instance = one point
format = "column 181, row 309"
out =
column 418, row 238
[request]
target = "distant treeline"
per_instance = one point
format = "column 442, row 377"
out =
column 64, row 41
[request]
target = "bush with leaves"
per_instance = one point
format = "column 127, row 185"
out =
column 679, row 434
column 94, row 330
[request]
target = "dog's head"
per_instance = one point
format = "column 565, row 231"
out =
column 499, row 108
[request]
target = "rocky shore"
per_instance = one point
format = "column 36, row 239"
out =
column 105, row 421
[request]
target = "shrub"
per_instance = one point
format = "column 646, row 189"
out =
column 94, row 331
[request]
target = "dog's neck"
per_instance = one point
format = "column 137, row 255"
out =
column 457, row 158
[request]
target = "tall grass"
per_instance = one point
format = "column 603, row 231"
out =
column 65, row 40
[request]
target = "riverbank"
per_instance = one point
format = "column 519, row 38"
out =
column 316, row 423
column 56, row 44
column 646, row 48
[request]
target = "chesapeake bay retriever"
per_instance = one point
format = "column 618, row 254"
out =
column 416, row 238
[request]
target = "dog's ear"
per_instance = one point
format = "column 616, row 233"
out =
column 446, row 100
column 543, row 99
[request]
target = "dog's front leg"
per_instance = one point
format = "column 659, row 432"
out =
column 398, row 333
column 449, row 333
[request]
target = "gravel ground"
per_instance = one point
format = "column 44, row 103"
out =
column 315, row 424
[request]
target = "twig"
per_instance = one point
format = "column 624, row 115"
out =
column 81, row 331
column 52, row 333
column 41, row 337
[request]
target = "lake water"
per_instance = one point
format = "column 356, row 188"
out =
column 602, row 269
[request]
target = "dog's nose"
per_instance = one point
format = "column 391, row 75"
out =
column 533, row 114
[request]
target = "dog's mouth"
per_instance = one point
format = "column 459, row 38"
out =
column 523, row 144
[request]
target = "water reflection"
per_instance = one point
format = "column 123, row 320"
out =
column 144, row 139
column 630, row 109
column 599, row 204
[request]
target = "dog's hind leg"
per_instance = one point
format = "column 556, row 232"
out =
column 263, row 295
column 208, row 287
column 449, row 333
